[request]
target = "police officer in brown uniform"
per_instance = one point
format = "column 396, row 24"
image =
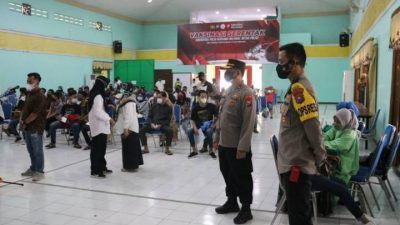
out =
column 233, row 137
column 301, row 151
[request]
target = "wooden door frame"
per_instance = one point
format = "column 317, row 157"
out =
column 392, row 95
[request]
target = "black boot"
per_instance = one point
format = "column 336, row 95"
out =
column 243, row 216
column 228, row 207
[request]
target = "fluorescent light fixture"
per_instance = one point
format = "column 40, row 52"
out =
column 217, row 12
column 225, row 17
column 149, row 1
column 258, row 10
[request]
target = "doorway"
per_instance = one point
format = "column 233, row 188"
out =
column 164, row 75
column 395, row 98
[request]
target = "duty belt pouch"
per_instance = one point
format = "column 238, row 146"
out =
column 294, row 174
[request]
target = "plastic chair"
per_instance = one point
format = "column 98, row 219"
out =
column 154, row 134
column 382, row 173
column 7, row 109
column 274, row 144
column 364, row 173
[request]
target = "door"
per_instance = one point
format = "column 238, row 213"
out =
column 164, row 75
column 395, row 98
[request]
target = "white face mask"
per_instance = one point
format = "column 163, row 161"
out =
column 159, row 101
column 74, row 101
column 29, row 87
column 203, row 100
column 23, row 98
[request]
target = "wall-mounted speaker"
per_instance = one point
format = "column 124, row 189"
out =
column 117, row 46
column 344, row 39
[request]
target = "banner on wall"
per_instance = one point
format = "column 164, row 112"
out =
column 208, row 43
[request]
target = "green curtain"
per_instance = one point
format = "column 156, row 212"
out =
column 141, row 71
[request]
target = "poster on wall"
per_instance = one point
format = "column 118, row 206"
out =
column 209, row 43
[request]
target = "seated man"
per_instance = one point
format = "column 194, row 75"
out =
column 159, row 118
column 203, row 116
column 342, row 140
column 12, row 127
column 70, row 114
column 84, row 119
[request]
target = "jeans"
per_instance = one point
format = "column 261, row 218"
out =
column 34, row 144
column 76, row 128
column 12, row 128
column 338, row 188
column 208, row 137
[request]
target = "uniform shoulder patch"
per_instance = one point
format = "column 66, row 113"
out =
column 249, row 100
column 304, row 103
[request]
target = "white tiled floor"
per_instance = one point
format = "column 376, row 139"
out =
column 166, row 190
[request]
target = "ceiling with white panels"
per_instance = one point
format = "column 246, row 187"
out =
column 176, row 10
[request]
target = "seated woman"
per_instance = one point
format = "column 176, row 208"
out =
column 342, row 140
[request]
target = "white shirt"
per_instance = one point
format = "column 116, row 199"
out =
column 127, row 119
column 160, row 85
column 99, row 120
column 1, row 111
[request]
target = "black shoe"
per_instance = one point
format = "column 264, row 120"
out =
column 87, row 148
column 51, row 145
column 97, row 175
column 212, row 154
column 192, row 154
column 18, row 139
column 204, row 150
column 77, row 146
column 227, row 208
column 243, row 217
column 107, row 171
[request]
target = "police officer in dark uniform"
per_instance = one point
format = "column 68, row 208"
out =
column 233, row 139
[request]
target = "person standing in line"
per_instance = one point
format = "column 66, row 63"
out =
column 301, row 149
column 33, row 122
column 99, row 122
column 232, row 138
column 128, row 127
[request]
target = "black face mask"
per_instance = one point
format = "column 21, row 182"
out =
column 230, row 75
column 283, row 71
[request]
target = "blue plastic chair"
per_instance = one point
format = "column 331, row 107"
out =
column 382, row 173
column 369, row 132
column 364, row 173
column 274, row 145
column 7, row 109
column 348, row 105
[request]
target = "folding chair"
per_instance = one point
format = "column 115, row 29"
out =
column 364, row 173
column 382, row 173
column 274, row 144
column 154, row 134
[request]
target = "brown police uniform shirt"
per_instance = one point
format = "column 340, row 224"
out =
column 237, row 118
column 300, row 135
column 35, row 103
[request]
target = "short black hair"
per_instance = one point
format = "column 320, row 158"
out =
column 35, row 75
column 200, row 92
column 71, row 92
column 164, row 94
column 201, row 74
column 43, row 89
column 295, row 51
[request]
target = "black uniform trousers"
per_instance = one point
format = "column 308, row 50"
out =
column 97, row 153
column 298, row 197
column 237, row 175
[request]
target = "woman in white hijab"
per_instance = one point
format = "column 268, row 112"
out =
column 128, row 127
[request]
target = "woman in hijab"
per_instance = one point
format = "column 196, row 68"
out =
column 128, row 127
column 99, row 122
column 343, row 140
